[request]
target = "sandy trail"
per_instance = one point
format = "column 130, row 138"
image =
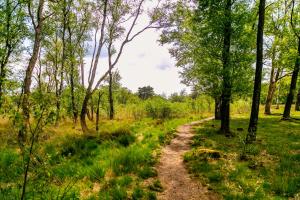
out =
column 176, row 182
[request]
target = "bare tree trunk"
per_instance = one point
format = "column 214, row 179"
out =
column 110, row 96
column 92, row 110
column 272, row 85
column 29, row 70
column 217, row 108
column 226, row 91
column 271, row 91
column 58, row 100
column 290, row 97
column 297, row 107
column 74, row 108
column 27, row 83
column 98, row 111
column 84, row 111
column 251, row 136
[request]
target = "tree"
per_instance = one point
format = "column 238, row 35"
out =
column 37, row 22
column 197, row 35
column 226, row 90
column 114, row 15
column 290, row 97
column 277, row 52
column 113, row 83
column 146, row 92
column 297, row 106
column 251, row 136
column 12, row 31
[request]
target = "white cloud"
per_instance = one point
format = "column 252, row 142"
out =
column 145, row 62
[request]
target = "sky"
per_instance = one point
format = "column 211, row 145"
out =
column 145, row 62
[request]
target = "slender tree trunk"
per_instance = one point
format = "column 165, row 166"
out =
column 58, row 100
column 251, row 136
column 217, row 108
column 290, row 97
column 297, row 107
column 98, row 111
column 226, row 91
column 272, row 85
column 26, row 89
column 2, row 79
column 110, row 96
column 28, row 73
column 84, row 111
column 92, row 110
column 74, row 108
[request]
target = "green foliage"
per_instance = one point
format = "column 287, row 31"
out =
column 146, row 92
column 158, row 109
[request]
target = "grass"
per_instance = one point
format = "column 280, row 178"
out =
column 267, row 169
column 110, row 164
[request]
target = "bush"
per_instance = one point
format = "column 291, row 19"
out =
column 158, row 109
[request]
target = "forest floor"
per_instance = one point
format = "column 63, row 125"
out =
column 172, row 173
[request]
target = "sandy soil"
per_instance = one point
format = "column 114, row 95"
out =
column 174, row 177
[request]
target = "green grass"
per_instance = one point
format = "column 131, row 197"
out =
column 111, row 164
column 267, row 169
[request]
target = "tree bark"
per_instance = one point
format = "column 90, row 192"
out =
column 27, row 83
column 297, row 107
column 74, row 108
column 290, row 97
column 58, row 99
column 226, row 91
column 83, row 112
column 272, row 85
column 217, row 108
column 251, row 136
column 29, row 70
column 98, row 111
column 110, row 96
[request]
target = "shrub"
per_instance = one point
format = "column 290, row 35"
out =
column 158, row 109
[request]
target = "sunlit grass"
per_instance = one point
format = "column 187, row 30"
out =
column 267, row 169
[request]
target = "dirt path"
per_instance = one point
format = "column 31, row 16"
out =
column 177, row 183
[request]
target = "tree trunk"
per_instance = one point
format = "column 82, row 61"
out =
column 2, row 79
column 226, row 91
column 297, row 107
column 217, row 108
column 27, row 83
column 251, row 136
column 290, row 97
column 110, row 96
column 28, row 73
column 83, row 113
column 74, row 108
column 98, row 111
column 58, row 100
column 272, row 85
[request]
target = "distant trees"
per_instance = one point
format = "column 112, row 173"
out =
column 145, row 92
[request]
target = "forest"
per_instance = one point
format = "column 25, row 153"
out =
column 71, row 129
